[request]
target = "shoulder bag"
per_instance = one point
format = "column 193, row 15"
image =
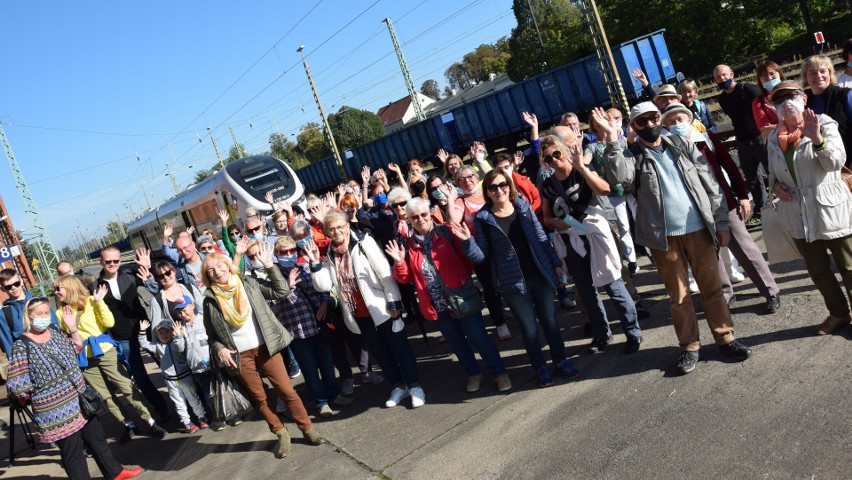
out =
column 463, row 301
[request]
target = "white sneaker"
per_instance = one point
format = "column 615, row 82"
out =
column 418, row 397
column 373, row 377
column 348, row 387
column 397, row 395
column 503, row 332
column 693, row 287
column 326, row 411
column 736, row 276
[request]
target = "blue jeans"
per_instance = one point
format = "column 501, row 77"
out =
column 581, row 270
column 462, row 333
column 314, row 357
column 391, row 351
column 132, row 356
column 537, row 302
column 290, row 360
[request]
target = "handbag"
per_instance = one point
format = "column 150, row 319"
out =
column 91, row 404
column 229, row 398
column 780, row 246
column 463, row 301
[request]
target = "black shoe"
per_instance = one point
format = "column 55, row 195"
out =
column 773, row 303
column 217, row 426
column 687, row 361
column 128, row 435
column 163, row 415
column 632, row 345
column 599, row 345
column 157, row 431
column 736, row 350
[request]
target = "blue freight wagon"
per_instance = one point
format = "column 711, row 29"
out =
column 577, row 86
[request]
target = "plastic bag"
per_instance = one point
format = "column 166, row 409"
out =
column 230, row 401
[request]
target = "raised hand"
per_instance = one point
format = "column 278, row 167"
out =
column 68, row 318
column 811, row 127
column 223, row 216
column 168, row 230
column 264, row 254
column 395, row 251
column 395, row 168
column 268, row 197
column 143, row 257
column 365, row 175
column 603, row 121
column 293, row 278
column 638, row 74
column 143, row 273
column 143, row 325
column 442, row 156
column 177, row 330
column 241, row 246
column 530, row 119
column 577, row 157
column 460, row 230
column 100, row 292
column 189, row 230
column 312, row 251
column 519, row 157
column 381, row 175
column 341, row 190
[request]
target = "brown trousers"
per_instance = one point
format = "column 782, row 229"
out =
column 258, row 359
column 694, row 250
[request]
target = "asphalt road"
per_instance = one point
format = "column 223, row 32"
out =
column 781, row 414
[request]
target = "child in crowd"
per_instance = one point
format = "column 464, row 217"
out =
column 197, row 351
column 170, row 350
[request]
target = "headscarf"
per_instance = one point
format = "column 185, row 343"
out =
column 233, row 301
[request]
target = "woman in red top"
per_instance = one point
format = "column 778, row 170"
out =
column 768, row 74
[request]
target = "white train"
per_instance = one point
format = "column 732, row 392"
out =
column 239, row 185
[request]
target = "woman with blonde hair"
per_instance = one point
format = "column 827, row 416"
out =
column 245, row 335
column 825, row 97
column 87, row 319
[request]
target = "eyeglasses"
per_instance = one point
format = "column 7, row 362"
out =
column 207, row 249
column 12, row 285
column 420, row 216
column 497, row 186
column 467, row 178
column 779, row 99
column 252, row 230
column 549, row 158
column 399, row 204
column 286, row 251
column 644, row 121
column 167, row 273
column 111, row 262
column 337, row 228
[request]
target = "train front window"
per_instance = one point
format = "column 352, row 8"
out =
column 260, row 175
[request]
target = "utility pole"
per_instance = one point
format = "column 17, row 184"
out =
column 120, row 224
column 147, row 202
column 130, row 209
column 607, row 63
column 236, row 143
column 47, row 254
column 216, row 147
column 328, row 135
column 538, row 32
column 172, row 178
column 415, row 99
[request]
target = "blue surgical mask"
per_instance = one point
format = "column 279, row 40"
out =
column 438, row 195
column 287, row 261
column 681, row 129
column 256, row 236
column 300, row 244
column 40, row 324
column 849, row 64
column 381, row 198
column 771, row 84
column 724, row 86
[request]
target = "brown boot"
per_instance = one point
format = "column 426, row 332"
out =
column 312, row 436
column 283, row 442
column 833, row 323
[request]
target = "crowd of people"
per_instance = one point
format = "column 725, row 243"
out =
column 295, row 292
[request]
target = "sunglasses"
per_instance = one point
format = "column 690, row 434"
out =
column 497, row 186
column 207, row 249
column 780, row 99
column 644, row 121
column 37, row 300
column 252, row 230
column 549, row 158
column 399, row 204
column 111, row 262
column 12, row 285
column 286, row 251
column 163, row 275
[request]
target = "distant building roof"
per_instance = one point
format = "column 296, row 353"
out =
column 394, row 111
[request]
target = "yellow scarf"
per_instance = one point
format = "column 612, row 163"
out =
column 233, row 301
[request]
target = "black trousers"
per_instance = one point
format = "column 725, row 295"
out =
column 74, row 458
column 492, row 299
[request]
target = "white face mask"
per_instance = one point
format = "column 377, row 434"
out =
column 480, row 156
column 798, row 104
column 256, row 265
column 40, row 324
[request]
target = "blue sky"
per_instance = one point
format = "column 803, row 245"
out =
column 96, row 96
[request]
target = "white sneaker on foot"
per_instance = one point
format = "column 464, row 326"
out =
column 326, row 411
column 418, row 397
column 693, row 287
column 736, row 276
column 396, row 396
column 503, row 332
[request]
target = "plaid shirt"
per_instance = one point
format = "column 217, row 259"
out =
column 295, row 312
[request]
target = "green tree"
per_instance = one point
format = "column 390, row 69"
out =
column 281, row 147
column 431, row 89
column 478, row 65
column 236, row 152
column 202, row 174
column 353, row 127
column 116, row 229
column 563, row 31
column 311, row 142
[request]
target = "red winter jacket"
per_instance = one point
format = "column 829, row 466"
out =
column 526, row 188
column 454, row 267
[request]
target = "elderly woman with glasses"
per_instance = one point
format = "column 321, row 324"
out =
column 805, row 156
column 87, row 319
column 358, row 270
column 525, row 269
column 468, row 203
column 246, row 337
column 435, row 262
column 43, row 369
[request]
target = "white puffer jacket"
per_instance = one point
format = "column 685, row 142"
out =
column 821, row 204
column 374, row 276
